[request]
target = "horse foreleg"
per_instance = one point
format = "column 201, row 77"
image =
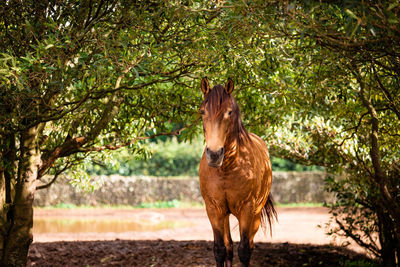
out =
column 217, row 220
column 228, row 243
column 248, row 224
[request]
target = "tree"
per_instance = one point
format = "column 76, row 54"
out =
column 333, row 99
column 79, row 77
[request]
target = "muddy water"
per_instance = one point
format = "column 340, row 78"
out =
column 97, row 225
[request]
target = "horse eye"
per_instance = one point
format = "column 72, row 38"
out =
column 230, row 112
column 202, row 112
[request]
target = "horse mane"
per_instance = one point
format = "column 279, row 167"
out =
column 217, row 98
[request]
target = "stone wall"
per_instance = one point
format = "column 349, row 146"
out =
column 296, row 187
column 117, row 190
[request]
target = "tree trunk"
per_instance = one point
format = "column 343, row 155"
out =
column 16, row 234
column 3, row 216
column 390, row 214
column 387, row 239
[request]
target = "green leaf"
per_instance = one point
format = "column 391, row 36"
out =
column 351, row 14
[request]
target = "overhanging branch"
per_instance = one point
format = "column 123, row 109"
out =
column 118, row 146
column 54, row 178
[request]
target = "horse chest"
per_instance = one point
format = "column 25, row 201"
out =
column 229, row 191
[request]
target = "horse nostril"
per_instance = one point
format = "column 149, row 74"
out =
column 214, row 155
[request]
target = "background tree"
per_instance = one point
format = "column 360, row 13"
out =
column 83, row 77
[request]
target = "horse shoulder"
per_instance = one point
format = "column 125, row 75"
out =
column 263, row 164
column 211, row 186
column 258, row 142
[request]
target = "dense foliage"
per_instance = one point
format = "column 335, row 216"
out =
column 168, row 158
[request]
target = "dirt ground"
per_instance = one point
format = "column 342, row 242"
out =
column 297, row 240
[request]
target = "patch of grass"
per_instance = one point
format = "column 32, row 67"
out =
column 63, row 206
column 360, row 263
column 161, row 204
column 153, row 205
column 164, row 204
column 300, row 204
column 170, row 204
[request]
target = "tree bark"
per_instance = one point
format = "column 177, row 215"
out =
column 388, row 243
column 17, row 236
column 8, row 155
column 3, row 217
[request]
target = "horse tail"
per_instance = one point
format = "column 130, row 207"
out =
column 268, row 214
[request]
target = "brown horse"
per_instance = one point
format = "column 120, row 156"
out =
column 235, row 174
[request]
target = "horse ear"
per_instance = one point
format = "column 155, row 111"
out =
column 205, row 87
column 229, row 86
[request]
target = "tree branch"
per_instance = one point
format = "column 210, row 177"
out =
column 357, row 238
column 54, row 178
column 387, row 94
column 115, row 146
column 71, row 146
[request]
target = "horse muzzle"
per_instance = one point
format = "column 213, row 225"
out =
column 215, row 158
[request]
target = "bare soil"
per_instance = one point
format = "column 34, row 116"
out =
column 297, row 240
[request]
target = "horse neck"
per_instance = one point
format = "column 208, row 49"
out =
column 234, row 142
column 231, row 147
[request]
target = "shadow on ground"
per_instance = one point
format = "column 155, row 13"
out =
column 181, row 253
